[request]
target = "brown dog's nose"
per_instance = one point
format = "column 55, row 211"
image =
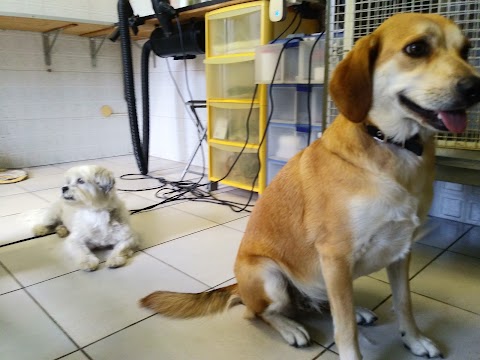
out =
column 64, row 189
column 469, row 88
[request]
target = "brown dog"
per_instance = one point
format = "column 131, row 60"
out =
column 352, row 202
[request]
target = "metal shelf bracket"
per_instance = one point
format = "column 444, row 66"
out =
column 94, row 49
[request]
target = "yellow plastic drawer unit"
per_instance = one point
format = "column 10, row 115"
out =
column 231, row 78
column 228, row 121
column 236, row 29
column 243, row 173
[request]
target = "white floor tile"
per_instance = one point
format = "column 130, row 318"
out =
column 453, row 279
column 453, row 330
column 210, row 211
column 208, row 255
column 328, row 355
column 42, row 182
column 50, row 195
column 443, row 232
column 134, row 202
column 224, row 336
column 27, row 332
column 469, row 244
column 10, row 189
column 101, row 162
column 92, row 305
column 15, row 204
column 14, row 227
column 7, row 283
column 158, row 226
column 368, row 293
column 421, row 256
column 239, row 224
column 37, row 260
column 44, row 170
column 78, row 355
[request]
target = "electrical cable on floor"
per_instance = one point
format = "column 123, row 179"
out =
column 171, row 191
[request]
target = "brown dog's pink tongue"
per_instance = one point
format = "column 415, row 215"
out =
column 455, row 121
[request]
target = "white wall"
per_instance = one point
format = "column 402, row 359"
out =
column 51, row 117
column 173, row 134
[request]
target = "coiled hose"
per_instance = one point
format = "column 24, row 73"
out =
column 140, row 150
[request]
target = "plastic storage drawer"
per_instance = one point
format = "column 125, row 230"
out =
column 266, row 59
column 317, row 66
column 222, row 158
column 229, row 120
column 233, row 80
column 290, row 104
column 273, row 167
column 284, row 141
column 234, row 31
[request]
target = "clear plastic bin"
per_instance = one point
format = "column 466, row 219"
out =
column 233, row 80
column 290, row 104
column 273, row 167
column 234, row 31
column 284, row 141
column 317, row 73
column 222, row 158
column 229, row 120
column 266, row 58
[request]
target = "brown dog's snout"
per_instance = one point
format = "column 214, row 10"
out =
column 469, row 89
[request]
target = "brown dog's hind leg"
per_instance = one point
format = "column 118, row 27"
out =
column 263, row 289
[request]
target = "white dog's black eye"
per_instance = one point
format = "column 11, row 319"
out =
column 80, row 181
column 417, row 49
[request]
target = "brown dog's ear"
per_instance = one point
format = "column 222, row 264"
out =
column 351, row 83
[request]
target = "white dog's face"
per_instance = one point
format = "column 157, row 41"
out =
column 88, row 186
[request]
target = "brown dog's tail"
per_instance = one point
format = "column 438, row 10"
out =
column 182, row 305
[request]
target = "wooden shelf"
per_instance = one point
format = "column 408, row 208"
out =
column 83, row 28
column 46, row 25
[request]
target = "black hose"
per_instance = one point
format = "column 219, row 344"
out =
column 146, row 50
column 129, row 89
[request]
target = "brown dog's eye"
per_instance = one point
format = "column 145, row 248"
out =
column 80, row 181
column 417, row 49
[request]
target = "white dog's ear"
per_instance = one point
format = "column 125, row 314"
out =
column 104, row 180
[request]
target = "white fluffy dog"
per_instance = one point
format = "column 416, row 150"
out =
column 90, row 215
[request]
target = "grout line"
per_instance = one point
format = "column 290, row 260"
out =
column 324, row 350
column 45, row 311
column 173, row 267
column 117, row 331
column 441, row 253
column 443, row 302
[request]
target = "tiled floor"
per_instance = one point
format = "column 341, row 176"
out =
column 50, row 310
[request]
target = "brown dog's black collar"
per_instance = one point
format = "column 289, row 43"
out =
column 412, row 144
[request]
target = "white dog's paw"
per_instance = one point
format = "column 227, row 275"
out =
column 62, row 231
column 89, row 263
column 364, row 316
column 116, row 261
column 421, row 346
column 40, row 230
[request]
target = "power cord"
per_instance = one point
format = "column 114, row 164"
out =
column 171, row 191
